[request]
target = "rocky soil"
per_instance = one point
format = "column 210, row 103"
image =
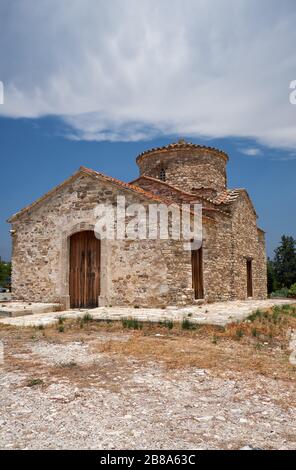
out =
column 91, row 388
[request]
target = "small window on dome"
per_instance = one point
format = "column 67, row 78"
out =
column 162, row 174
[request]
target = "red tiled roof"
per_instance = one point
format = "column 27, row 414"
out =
column 97, row 174
column 124, row 185
column 164, row 183
column 227, row 196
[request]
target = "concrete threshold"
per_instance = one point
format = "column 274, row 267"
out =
column 19, row 309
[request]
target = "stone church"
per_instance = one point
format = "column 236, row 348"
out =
column 56, row 256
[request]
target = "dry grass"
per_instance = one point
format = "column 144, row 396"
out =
column 259, row 344
column 199, row 352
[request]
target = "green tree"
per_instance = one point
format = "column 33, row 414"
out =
column 271, row 278
column 284, row 263
column 5, row 273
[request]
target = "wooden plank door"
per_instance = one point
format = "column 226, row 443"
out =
column 249, row 278
column 197, row 273
column 84, row 281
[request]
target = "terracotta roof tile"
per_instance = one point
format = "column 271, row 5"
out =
column 225, row 197
column 97, row 174
column 135, row 188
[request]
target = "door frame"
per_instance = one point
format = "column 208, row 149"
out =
column 198, row 287
column 249, row 273
column 64, row 287
column 85, row 275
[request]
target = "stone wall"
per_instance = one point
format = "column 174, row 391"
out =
column 143, row 272
column 248, row 243
column 150, row 273
column 217, row 259
column 187, row 169
column 227, row 245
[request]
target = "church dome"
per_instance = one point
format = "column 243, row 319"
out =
column 186, row 166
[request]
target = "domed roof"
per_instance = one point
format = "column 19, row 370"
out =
column 182, row 145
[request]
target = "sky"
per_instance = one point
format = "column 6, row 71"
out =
column 94, row 83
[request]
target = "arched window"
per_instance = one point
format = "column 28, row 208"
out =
column 162, row 174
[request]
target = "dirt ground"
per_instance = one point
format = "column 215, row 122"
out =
column 123, row 385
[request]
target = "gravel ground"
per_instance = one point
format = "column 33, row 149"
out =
column 100, row 400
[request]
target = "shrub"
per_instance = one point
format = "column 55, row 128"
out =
column 188, row 325
column 254, row 332
column 287, row 307
column 276, row 310
column 280, row 293
column 239, row 333
column 131, row 323
column 258, row 315
column 33, row 382
column 293, row 311
column 292, row 291
column 86, row 318
column 166, row 324
column 169, row 324
column 215, row 339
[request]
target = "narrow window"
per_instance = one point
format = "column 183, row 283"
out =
column 249, row 278
column 197, row 273
column 162, row 174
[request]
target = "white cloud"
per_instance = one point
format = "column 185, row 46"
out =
column 133, row 70
column 251, row 151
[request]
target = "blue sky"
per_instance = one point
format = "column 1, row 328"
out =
column 94, row 83
column 35, row 157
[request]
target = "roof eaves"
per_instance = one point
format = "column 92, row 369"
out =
column 164, row 183
column 93, row 173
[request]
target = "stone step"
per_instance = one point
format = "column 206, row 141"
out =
column 19, row 309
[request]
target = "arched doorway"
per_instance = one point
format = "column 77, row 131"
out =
column 84, row 272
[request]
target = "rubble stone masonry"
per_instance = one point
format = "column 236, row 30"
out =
column 145, row 273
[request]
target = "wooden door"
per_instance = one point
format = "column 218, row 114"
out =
column 249, row 278
column 84, row 282
column 197, row 273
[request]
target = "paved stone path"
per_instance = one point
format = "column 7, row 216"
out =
column 219, row 313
